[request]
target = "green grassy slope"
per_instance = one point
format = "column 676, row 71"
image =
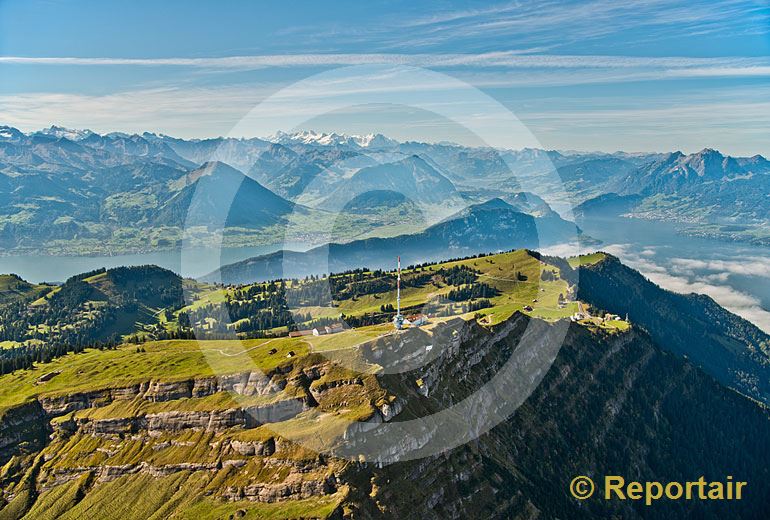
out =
column 13, row 288
column 180, row 359
column 519, row 278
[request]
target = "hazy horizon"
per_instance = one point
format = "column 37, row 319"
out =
column 271, row 137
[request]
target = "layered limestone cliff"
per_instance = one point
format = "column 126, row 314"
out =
column 583, row 403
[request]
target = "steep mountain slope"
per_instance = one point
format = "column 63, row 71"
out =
column 13, row 288
column 529, row 203
column 461, row 164
column 206, row 191
column 240, row 153
column 491, row 226
column 379, row 200
column 607, row 205
column 271, row 161
column 677, row 170
column 290, row 174
column 608, row 406
column 584, row 179
column 708, row 185
column 729, row 348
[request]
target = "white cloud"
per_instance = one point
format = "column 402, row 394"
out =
column 733, row 120
column 679, row 275
column 634, row 66
column 565, row 250
column 740, row 303
column 173, row 111
column 534, row 22
column 212, row 111
column 749, row 266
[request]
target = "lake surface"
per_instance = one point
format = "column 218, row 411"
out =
column 197, row 262
column 736, row 275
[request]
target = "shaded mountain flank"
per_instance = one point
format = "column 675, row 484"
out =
column 731, row 349
column 492, row 226
column 206, row 193
column 412, row 177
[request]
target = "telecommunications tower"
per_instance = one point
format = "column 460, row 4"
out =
column 398, row 319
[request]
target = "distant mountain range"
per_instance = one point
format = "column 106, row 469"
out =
column 76, row 191
column 492, row 226
column 334, row 139
column 705, row 187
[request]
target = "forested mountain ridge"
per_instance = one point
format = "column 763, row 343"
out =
column 731, row 349
column 97, row 308
column 493, row 225
column 14, row 288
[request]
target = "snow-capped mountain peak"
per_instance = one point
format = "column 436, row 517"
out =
column 332, row 139
column 68, row 133
column 9, row 133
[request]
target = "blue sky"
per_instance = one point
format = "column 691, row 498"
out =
column 596, row 75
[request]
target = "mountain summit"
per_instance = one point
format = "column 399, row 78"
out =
column 60, row 131
column 206, row 191
column 333, row 139
column 494, row 225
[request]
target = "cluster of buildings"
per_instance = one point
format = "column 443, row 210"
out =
column 399, row 320
column 334, row 328
column 581, row 314
column 417, row 320
column 584, row 314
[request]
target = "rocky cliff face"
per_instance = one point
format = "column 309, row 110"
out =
column 244, row 383
column 608, row 404
column 24, row 426
column 160, row 429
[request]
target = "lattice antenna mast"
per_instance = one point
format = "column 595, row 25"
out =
column 398, row 320
column 398, row 288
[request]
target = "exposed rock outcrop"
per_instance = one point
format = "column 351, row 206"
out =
column 244, row 383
